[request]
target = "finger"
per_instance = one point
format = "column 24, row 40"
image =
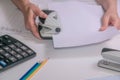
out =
column 38, row 11
column 117, row 25
column 31, row 25
column 114, row 23
column 27, row 25
column 34, row 31
column 105, row 23
column 41, row 14
column 28, row 17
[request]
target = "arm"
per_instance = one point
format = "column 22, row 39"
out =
column 108, row 4
column 21, row 4
column 110, row 16
column 30, row 12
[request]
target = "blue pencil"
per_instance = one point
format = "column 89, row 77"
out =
column 29, row 71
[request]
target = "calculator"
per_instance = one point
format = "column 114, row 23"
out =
column 13, row 52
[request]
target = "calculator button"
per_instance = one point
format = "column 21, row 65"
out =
column 1, row 39
column 18, row 44
column 6, row 36
column 7, row 61
column 18, row 56
column 1, row 57
column 12, row 46
column 13, row 52
column 6, row 55
column 18, row 50
column 9, row 41
column 24, row 47
column 13, row 59
column 1, row 50
column 7, row 48
column 3, row 63
column 30, row 52
column 24, row 54
column 1, row 44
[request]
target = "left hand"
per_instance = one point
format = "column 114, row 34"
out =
column 110, row 18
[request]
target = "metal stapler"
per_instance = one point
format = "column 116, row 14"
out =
column 111, row 59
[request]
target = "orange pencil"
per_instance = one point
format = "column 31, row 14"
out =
column 42, row 64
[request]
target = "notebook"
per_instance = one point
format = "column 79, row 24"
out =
column 80, row 24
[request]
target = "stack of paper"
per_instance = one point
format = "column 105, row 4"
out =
column 80, row 24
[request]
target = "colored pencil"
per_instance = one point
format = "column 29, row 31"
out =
column 40, row 66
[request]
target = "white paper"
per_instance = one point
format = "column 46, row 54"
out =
column 80, row 24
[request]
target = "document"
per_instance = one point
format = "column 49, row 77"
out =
column 80, row 24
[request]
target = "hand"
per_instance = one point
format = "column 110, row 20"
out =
column 110, row 17
column 30, row 13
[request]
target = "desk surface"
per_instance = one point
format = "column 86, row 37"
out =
column 87, row 56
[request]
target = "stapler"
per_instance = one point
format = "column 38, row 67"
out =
column 49, row 26
column 111, row 59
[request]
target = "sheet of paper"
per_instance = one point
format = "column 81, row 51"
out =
column 80, row 24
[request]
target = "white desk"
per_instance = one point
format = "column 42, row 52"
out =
column 88, row 56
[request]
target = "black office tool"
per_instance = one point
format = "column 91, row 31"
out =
column 13, row 52
column 49, row 26
column 111, row 59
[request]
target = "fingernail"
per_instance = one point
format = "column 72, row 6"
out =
column 38, row 37
column 101, row 29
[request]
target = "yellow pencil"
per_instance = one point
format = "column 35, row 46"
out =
column 42, row 64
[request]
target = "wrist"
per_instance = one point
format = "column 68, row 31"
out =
column 111, row 10
column 21, row 4
column 24, row 5
column 108, row 4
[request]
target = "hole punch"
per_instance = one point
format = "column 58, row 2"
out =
column 49, row 26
